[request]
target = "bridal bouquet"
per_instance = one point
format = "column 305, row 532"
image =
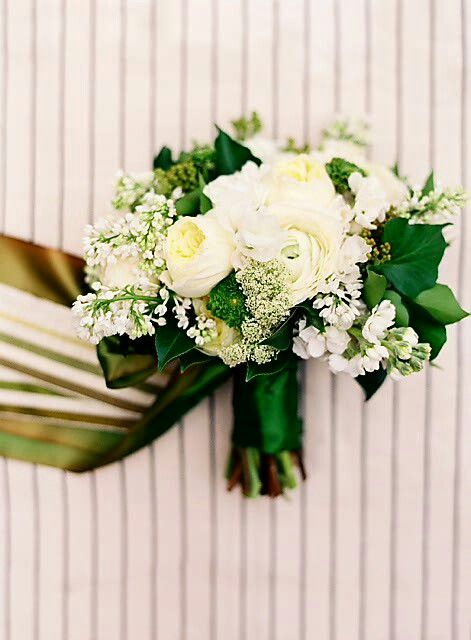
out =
column 260, row 253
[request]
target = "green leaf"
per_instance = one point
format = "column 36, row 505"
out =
column 374, row 288
column 283, row 336
column 189, row 204
column 416, row 252
column 441, row 304
column 339, row 171
column 171, row 342
column 230, row 154
column 402, row 314
column 126, row 362
column 312, row 315
column 429, row 185
column 428, row 329
column 274, row 366
column 205, row 203
column 164, row 159
column 193, row 357
column 371, row 382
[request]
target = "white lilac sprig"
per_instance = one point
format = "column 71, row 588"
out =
column 351, row 130
column 440, row 206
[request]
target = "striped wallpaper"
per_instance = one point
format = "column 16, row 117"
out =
column 377, row 544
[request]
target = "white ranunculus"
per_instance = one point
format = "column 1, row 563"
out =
column 120, row 273
column 225, row 334
column 259, row 236
column 395, row 190
column 311, row 249
column 301, row 181
column 198, row 254
column 266, row 149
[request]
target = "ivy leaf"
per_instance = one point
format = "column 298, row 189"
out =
column 283, row 336
column 371, row 382
column 402, row 314
column 274, row 366
column 374, row 288
column 192, row 357
column 312, row 315
column 416, row 252
column 189, row 204
column 163, row 160
column 441, row 304
column 171, row 342
column 230, row 154
column 428, row 329
column 429, row 185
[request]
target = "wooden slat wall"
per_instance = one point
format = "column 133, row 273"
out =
column 377, row 544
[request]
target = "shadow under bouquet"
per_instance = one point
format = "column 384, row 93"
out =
column 243, row 257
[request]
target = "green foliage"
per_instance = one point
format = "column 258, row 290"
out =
column 372, row 381
column 416, row 251
column 312, row 315
column 402, row 314
column 230, row 154
column 247, row 127
column 126, row 362
column 163, row 160
column 339, row 171
column 428, row 329
column 374, row 288
column 189, row 204
column 203, row 157
column 282, row 338
column 227, row 302
column 429, row 185
column 183, row 174
column 293, row 147
column 281, row 360
column 171, row 342
column 193, row 357
column 441, row 304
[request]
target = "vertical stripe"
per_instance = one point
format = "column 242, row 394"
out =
column 91, row 110
column 122, row 84
column 36, row 552
column 61, row 120
column 363, row 521
column 4, row 126
column 460, row 361
column 152, row 77
column 184, row 535
column 124, row 554
column 7, row 559
column 183, row 73
column 153, row 558
column 65, row 558
column 33, row 122
column 425, row 560
column 94, row 557
column 245, row 55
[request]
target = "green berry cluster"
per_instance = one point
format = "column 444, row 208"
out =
column 247, row 127
column 227, row 302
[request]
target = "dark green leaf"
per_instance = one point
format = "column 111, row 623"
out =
column 374, row 288
column 416, row 252
column 312, row 315
column 274, row 366
column 189, row 204
column 429, row 185
column 205, row 203
column 283, row 336
column 164, row 159
column 192, row 357
column 126, row 362
column 371, row 381
column 230, row 154
column 441, row 304
column 171, row 342
column 402, row 314
column 428, row 329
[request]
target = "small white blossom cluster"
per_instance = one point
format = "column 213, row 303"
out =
column 440, row 206
column 371, row 203
column 129, row 311
column 203, row 331
column 130, row 188
column 366, row 346
column 267, row 298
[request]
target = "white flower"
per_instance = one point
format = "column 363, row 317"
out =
column 354, row 366
column 311, row 343
column 377, row 324
column 120, row 273
column 336, row 340
column 370, row 200
column 354, row 250
column 302, row 181
column 342, row 149
column 374, row 356
column 198, row 253
column 221, row 336
column 311, row 250
column 236, row 195
column 395, row 190
column 259, row 237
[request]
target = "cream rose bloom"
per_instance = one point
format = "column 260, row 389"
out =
column 301, row 181
column 225, row 334
column 198, row 254
column 312, row 248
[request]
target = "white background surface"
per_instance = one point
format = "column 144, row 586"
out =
column 377, row 544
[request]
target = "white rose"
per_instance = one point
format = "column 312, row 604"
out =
column 198, row 254
column 120, row 273
column 225, row 334
column 301, row 181
column 311, row 249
